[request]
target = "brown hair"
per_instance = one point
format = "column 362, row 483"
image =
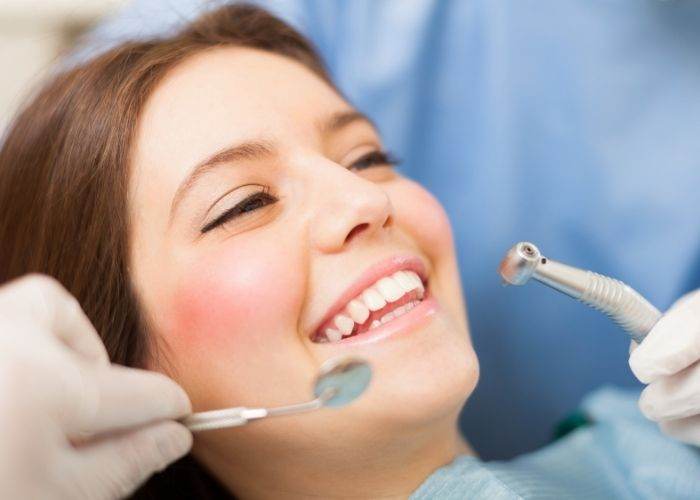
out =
column 64, row 166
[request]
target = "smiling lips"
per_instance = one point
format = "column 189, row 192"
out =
column 388, row 298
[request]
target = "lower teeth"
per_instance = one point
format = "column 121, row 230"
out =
column 393, row 314
column 386, row 318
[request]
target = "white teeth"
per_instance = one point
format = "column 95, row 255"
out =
column 389, row 288
column 333, row 335
column 399, row 311
column 403, row 278
column 409, row 281
column 358, row 311
column 387, row 317
column 344, row 323
column 417, row 283
column 374, row 300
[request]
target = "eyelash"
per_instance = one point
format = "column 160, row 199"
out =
column 372, row 159
column 375, row 159
column 242, row 208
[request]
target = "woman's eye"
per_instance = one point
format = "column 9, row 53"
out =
column 375, row 159
column 250, row 204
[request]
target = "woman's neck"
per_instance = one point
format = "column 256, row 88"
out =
column 378, row 468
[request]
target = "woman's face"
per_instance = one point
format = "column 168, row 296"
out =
column 263, row 207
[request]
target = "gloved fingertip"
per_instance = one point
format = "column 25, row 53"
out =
column 646, row 409
column 641, row 367
column 181, row 400
column 684, row 430
column 173, row 441
column 651, row 406
column 632, row 348
column 686, row 299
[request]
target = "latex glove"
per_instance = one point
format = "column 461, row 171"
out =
column 668, row 360
column 71, row 424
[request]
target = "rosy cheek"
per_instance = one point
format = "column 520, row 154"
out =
column 233, row 297
column 420, row 213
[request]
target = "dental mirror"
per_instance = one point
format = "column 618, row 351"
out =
column 339, row 382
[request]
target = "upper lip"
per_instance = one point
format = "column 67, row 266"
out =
column 385, row 267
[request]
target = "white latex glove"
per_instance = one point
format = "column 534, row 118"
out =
column 71, row 424
column 668, row 360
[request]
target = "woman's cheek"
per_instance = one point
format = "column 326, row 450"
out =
column 232, row 297
column 422, row 215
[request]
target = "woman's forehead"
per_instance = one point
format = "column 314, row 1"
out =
column 227, row 95
column 238, row 88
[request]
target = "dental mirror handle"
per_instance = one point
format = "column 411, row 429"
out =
column 235, row 417
column 619, row 301
column 340, row 381
column 219, row 419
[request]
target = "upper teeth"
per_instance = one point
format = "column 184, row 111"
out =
column 386, row 290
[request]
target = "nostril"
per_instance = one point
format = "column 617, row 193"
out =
column 355, row 231
column 388, row 222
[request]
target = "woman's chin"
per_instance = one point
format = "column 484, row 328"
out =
column 425, row 382
column 431, row 399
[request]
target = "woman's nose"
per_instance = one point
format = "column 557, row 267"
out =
column 350, row 208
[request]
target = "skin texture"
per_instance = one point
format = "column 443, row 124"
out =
column 231, row 311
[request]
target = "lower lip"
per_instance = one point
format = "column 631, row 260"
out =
column 404, row 324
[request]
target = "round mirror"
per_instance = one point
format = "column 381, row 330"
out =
column 341, row 380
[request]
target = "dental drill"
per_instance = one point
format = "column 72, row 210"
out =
column 619, row 301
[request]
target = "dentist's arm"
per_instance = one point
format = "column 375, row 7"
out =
column 669, row 361
column 71, row 424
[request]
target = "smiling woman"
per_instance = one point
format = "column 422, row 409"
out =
column 225, row 216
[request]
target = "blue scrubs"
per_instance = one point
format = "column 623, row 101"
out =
column 574, row 124
column 620, row 455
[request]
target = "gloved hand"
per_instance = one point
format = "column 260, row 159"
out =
column 71, row 424
column 667, row 360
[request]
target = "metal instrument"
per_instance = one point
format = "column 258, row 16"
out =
column 616, row 299
column 339, row 382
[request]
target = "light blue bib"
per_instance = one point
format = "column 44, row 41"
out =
column 621, row 455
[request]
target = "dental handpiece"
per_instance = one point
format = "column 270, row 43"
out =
column 619, row 301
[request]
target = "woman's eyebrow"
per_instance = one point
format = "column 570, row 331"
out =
column 250, row 150
column 256, row 150
column 342, row 119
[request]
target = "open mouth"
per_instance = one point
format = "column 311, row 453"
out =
column 386, row 299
